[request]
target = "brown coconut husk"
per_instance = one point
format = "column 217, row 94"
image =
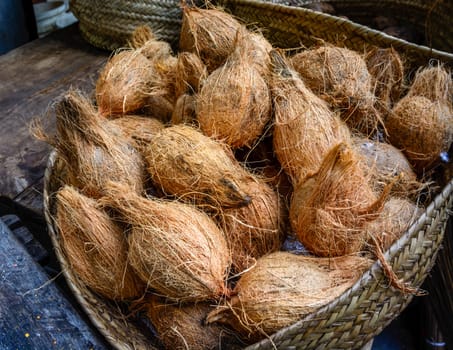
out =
column 434, row 82
column 95, row 246
column 182, row 327
column 158, row 107
column 256, row 229
column 282, row 288
column 387, row 73
column 422, row 129
column 304, row 127
column 340, row 76
column 234, row 104
column 124, row 83
column 139, row 130
column 383, row 163
column 184, row 111
column 197, row 169
column 94, row 151
column 210, row 33
column 144, row 40
column 258, row 50
column 261, row 159
column 397, row 216
column 175, row 248
column 190, row 73
column 329, row 210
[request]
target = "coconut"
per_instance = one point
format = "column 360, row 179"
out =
column 340, row 76
column 95, row 151
column 182, row 327
column 234, row 104
column 384, row 163
column 184, row 110
column 329, row 209
column 396, row 217
column 435, row 83
column 282, row 288
column 387, row 73
column 190, row 73
column 123, row 84
column 422, row 129
column 95, row 246
column 144, row 40
column 196, row 169
column 139, row 130
column 175, row 248
column 208, row 32
column 304, row 127
column 158, row 107
column 258, row 50
column 256, row 229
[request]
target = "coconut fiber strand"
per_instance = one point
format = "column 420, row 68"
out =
column 282, row 288
column 95, row 246
column 95, row 151
column 175, row 248
column 196, row 168
column 182, row 326
column 329, row 209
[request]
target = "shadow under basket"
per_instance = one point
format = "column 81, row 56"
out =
column 363, row 311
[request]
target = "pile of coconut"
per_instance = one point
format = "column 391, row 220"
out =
column 230, row 189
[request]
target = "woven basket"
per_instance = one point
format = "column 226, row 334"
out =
column 348, row 322
column 292, row 26
column 107, row 24
column 359, row 314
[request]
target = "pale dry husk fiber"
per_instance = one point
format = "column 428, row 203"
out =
column 329, row 210
column 387, row 73
column 434, row 82
column 256, row 229
column 184, row 111
column 190, row 73
column 175, row 248
column 95, row 246
column 304, row 126
column 94, row 150
column 139, row 130
column 197, row 169
column 258, row 51
column 144, row 41
column 182, row 327
column 234, row 104
column 422, row 129
column 123, row 84
column 396, row 217
column 210, row 33
column 385, row 163
column 282, row 288
column 340, row 76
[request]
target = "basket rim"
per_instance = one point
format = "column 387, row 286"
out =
column 358, row 29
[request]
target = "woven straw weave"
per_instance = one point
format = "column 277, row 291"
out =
column 348, row 322
column 107, row 24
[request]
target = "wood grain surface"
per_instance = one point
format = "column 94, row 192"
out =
column 32, row 78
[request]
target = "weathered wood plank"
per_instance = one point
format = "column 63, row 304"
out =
column 32, row 77
column 34, row 314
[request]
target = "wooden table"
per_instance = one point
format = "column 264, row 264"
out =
column 37, row 310
column 33, row 77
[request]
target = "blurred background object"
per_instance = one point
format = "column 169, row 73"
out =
column 17, row 24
